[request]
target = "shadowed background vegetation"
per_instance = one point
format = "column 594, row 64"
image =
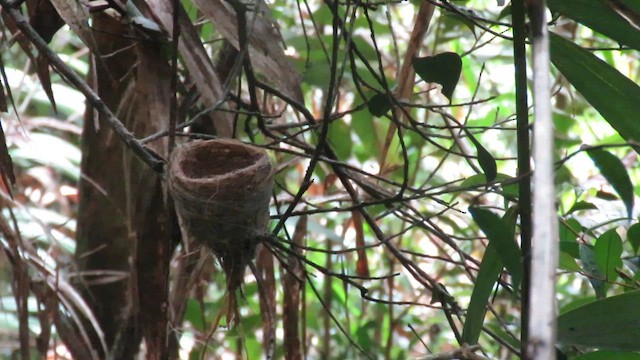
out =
column 400, row 214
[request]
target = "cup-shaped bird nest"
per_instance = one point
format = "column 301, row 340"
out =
column 221, row 189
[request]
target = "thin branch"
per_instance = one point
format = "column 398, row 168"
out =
column 149, row 157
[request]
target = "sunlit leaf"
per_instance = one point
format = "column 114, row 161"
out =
column 443, row 69
column 606, row 324
column 616, row 174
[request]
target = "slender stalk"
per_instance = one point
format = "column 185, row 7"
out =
column 544, row 261
column 524, row 155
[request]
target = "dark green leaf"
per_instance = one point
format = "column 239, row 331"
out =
column 608, row 355
column 487, row 162
column 605, row 88
column 599, row 16
column 607, row 324
column 379, row 104
column 570, row 248
column 488, row 273
column 590, row 266
column 490, row 268
column 498, row 231
column 633, row 236
column 569, row 230
column 581, row 205
column 600, row 194
column 616, row 174
column 608, row 250
column 443, row 69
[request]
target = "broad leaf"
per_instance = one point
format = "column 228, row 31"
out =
column 605, row 88
column 443, row 69
column 499, row 232
column 379, row 104
column 616, row 174
column 607, row 324
column 608, row 250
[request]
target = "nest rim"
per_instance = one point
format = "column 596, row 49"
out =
column 197, row 163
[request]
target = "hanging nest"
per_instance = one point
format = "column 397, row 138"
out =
column 221, row 189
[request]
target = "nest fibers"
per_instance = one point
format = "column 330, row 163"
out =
column 221, row 189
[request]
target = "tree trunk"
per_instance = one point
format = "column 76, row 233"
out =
column 122, row 221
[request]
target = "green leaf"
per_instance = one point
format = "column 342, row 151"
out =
column 605, row 88
column 616, row 174
column 568, row 263
column 194, row 315
column 443, row 69
column 569, row 230
column 488, row 273
column 571, row 248
column 487, row 162
column 498, row 232
column 590, row 266
column 481, row 179
column 581, row 205
column 379, row 104
column 608, row 355
column 633, row 236
column 365, row 127
column 608, row 250
column 607, row 324
column 340, row 137
column 599, row 16
column 490, row 268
